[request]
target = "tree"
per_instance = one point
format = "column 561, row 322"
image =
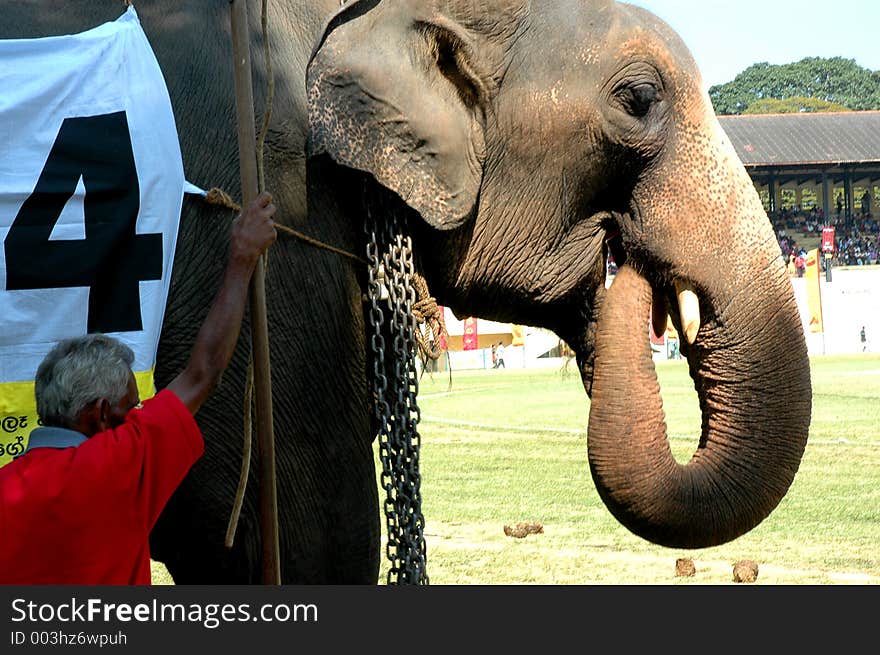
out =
column 795, row 105
column 835, row 80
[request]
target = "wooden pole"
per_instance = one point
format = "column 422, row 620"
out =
column 244, row 103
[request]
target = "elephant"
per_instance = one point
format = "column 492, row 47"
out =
column 523, row 141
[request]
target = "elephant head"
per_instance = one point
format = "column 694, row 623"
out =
column 533, row 137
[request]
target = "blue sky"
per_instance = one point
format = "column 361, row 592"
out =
column 727, row 36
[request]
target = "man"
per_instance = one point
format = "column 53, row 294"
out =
column 78, row 506
column 499, row 356
column 800, row 265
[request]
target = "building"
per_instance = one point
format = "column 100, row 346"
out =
column 524, row 347
column 811, row 159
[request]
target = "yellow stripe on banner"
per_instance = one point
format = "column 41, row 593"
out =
column 145, row 384
column 18, row 416
column 516, row 332
column 18, row 413
column 814, row 292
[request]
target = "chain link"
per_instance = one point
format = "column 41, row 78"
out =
column 391, row 296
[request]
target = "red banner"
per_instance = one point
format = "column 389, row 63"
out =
column 827, row 239
column 441, row 338
column 469, row 339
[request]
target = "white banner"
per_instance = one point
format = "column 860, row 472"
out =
column 91, row 187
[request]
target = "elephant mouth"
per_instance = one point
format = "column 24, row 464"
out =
column 676, row 309
column 747, row 358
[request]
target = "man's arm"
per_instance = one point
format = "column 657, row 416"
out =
column 252, row 232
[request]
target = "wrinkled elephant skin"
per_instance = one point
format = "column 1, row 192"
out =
column 523, row 141
column 532, row 136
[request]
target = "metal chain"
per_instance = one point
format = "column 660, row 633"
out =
column 391, row 298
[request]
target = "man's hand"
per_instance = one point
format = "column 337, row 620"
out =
column 252, row 232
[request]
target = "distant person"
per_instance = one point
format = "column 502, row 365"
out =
column 800, row 265
column 499, row 356
column 864, row 338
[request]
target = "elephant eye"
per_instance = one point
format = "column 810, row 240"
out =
column 637, row 99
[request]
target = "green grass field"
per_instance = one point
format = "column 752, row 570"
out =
column 509, row 446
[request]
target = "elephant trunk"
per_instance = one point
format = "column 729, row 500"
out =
column 752, row 378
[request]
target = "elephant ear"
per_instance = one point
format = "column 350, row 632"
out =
column 403, row 98
column 347, row 10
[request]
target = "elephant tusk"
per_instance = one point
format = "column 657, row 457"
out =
column 689, row 309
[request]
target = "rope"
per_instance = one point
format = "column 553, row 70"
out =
column 245, row 459
column 426, row 310
column 428, row 313
column 320, row 244
column 219, row 197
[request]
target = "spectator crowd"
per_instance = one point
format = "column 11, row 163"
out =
column 856, row 241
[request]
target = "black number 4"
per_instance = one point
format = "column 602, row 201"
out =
column 113, row 258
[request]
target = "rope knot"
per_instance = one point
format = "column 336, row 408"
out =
column 426, row 311
column 217, row 196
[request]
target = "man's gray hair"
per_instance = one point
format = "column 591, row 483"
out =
column 77, row 372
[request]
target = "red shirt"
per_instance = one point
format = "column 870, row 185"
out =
column 83, row 515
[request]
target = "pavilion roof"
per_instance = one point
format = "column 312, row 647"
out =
column 821, row 139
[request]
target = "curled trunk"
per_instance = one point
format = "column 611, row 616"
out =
column 755, row 395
